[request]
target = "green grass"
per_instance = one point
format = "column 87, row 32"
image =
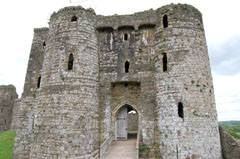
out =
column 6, row 144
column 233, row 131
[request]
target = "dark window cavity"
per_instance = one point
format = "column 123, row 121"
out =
column 127, row 64
column 125, row 36
column 165, row 21
column 180, row 110
column 39, row 82
column 74, row 19
column 164, row 61
column 70, row 62
column 44, row 45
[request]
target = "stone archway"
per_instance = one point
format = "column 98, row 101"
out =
column 126, row 121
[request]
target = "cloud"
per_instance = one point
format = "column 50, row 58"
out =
column 227, row 93
column 225, row 56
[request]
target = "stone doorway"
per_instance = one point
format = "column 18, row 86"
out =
column 126, row 123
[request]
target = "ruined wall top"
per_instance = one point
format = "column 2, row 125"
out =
column 7, row 90
column 44, row 29
column 178, row 12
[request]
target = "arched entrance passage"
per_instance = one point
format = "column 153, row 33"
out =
column 126, row 122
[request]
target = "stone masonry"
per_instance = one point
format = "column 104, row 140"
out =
column 7, row 96
column 85, row 67
column 230, row 145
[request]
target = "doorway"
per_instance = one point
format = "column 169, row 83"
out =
column 126, row 124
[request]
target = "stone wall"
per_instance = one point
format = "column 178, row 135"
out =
column 7, row 96
column 60, row 118
column 186, row 113
column 35, row 62
column 230, row 145
column 132, row 122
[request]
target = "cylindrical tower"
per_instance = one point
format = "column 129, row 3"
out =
column 65, row 119
column 186, row 113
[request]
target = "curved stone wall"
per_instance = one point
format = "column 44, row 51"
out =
column 186, row 113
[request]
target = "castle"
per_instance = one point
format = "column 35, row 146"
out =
column 92, row 79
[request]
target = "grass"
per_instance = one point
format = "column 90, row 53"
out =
column 6, row 144
column 233, row 131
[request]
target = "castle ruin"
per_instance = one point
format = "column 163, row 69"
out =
column 92, row 79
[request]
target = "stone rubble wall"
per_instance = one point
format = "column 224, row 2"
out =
column 7, row 97
column 132, row 122
column 188, row 81
column 230, row 145
column 60, row 119
column 35, row 61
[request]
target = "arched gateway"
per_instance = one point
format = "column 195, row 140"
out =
column 126, row 122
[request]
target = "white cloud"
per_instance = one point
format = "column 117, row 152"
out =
column 227, row 93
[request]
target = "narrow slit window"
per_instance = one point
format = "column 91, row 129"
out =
column 127, row 64
column 70, row 62
column 164, row 61
column 180, row 110
column 39, row 82
column 74, row 19
column 125, row 36
column 44, row 45
column 165, row 21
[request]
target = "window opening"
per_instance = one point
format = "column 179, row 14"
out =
column 70, row 62
column 74, row 19
column 125, row 36
column 164, row 60
column 44, row 45
column 39, row 82
column 165, row 21
column 127, row 64
column 180, row 110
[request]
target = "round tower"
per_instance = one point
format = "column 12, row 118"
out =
column 186, row 113
column 66, row 118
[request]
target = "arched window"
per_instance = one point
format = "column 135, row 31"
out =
column 180, row 110
column 74, row 19
column 165, row 21
column 39, row 82
column 164, row 61
column 70, row 61
column 127, row 64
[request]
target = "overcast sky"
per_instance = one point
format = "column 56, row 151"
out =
column 221, row 22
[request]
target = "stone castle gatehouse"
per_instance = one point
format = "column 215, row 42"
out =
column 92, row 79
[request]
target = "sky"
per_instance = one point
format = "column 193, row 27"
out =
column 220, row 18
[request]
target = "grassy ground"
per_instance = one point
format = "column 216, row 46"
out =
column 234, row 131
column 6, row 144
